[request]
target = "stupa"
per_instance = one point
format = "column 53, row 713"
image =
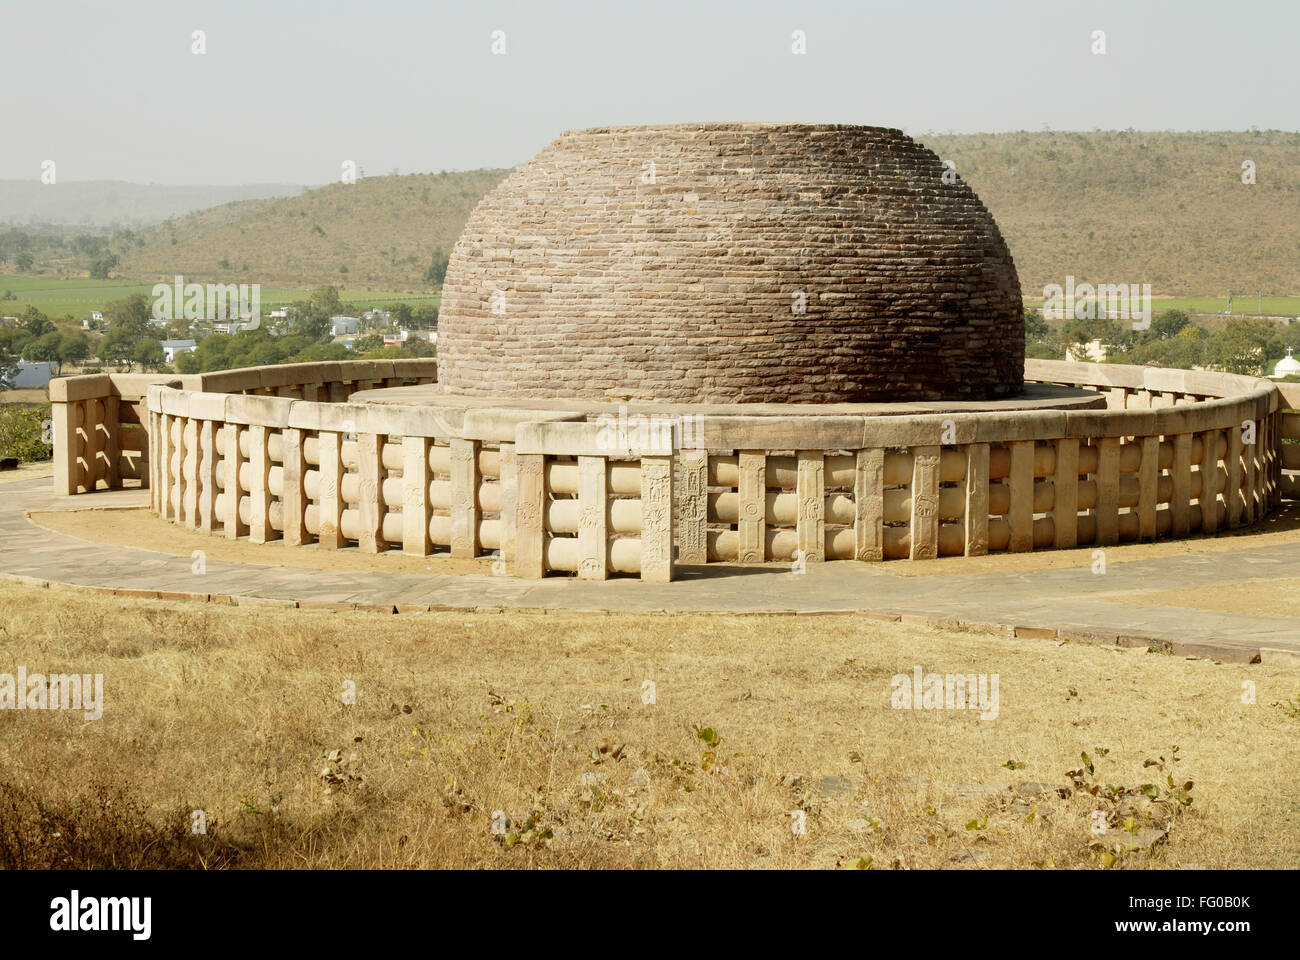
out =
column 732, row 263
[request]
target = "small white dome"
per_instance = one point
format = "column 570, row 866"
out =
column 1288, row 366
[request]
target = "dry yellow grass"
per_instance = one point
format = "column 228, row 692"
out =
column 238, row 711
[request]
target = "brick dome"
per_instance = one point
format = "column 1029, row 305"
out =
column 668, row 263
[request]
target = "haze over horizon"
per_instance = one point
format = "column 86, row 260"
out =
column 285, row 94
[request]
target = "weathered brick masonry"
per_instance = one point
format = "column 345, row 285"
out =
column 681, row 289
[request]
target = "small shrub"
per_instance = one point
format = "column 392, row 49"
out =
column 23, row 429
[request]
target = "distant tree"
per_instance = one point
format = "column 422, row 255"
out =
column 314, row 316
column 24, row 261
column 149, row 354
column 43, row 349
column 437, row 271
column 36, row 322
column 102, row 266
column 1036, row 328
column 1243, row 345
column 401, row 314
column 13, row 339
column 89, row 245
column 1079, row 333
column 383, row 353
column 118, row 346
column 418, row 347
column 214, row 352
column 369, row 342
column 424, row 317
column 1169, row 324
column 8, row 367
column 74, row 348
column 319, row 352
column 131, row 315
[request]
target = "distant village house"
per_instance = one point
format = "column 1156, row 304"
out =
column 172, row 348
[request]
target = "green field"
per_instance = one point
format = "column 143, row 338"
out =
column 78, row 296
column 59, row 297
column 1242, row 305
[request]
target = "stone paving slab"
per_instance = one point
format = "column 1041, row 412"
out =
column 1072, row 604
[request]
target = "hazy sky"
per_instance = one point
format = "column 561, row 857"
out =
column 287, row 91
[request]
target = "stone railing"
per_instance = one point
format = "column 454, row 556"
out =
column 587, row 507
column 99, row 420
column 872, row 488
column 1175, row 453
column 98, row 427
column 384, row 477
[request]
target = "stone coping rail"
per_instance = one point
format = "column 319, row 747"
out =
column 280, row 453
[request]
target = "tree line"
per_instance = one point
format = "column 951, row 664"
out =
column 132, row 342
column 1244, row 345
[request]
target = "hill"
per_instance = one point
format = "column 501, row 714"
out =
column 1168, row 209
column 379, row 230
column 101, row 203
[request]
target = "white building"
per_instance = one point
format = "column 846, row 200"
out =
column 171, row 348
column 1288, row 366
column 1094, row 351
column 341, row 326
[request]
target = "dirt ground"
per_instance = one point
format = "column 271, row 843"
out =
column 24, row 396
column 1265, row 597
column 137, row 527
column 1282, row 526
column 27, row 471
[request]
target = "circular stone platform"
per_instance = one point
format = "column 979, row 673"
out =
column 732, row 263
column 1035, row 396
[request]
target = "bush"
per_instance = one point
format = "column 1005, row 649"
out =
column 22, row 432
